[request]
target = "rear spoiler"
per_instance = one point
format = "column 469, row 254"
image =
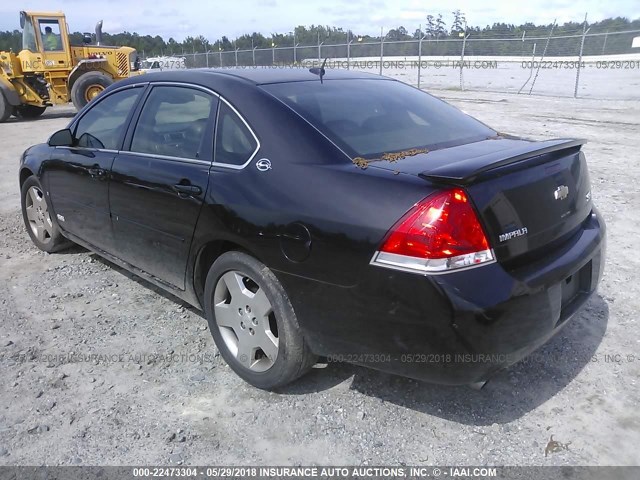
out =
column 466, row 171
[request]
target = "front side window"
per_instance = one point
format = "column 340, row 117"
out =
column 103, row 125
column 235, row 144
column 50, row 34
column 173, row 122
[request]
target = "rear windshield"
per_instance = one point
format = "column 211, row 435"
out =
column 367, row 118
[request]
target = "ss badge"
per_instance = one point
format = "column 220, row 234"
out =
column 263, row 164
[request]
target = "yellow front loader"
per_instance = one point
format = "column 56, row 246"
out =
column 50, row 71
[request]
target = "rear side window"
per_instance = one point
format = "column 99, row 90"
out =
column 173, row 122
column 235, row 143
column 103, row 124
column 367, row 118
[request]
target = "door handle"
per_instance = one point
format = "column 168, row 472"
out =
column 187, row 190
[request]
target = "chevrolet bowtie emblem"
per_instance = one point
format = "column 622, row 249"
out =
column 561, row 192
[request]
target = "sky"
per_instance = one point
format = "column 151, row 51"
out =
column 213, row 19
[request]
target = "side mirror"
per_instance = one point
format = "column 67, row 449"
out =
column 86, row 38
column 62, row 138
column 23, row 19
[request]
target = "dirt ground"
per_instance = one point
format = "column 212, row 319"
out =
column 99, row 368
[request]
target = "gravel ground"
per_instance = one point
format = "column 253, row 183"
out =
column 86, row 378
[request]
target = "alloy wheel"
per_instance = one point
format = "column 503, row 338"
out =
column 38, row 215
column 246, row 321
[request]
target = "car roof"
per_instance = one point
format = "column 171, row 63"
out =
column 264, row 75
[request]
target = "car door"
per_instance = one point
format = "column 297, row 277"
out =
column 77, row 177
column 159, row 180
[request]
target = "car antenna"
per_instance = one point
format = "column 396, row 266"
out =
column 319, row 71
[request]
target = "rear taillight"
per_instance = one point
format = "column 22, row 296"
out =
column 439, row 234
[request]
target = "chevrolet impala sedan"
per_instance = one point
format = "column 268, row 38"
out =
column 335, row 214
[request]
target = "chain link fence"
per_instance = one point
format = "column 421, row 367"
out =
column 598, row 65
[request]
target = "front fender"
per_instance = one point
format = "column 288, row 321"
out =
column 84, row 66
column 33, row 161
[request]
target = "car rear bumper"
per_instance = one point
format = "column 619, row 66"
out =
column 457, row 328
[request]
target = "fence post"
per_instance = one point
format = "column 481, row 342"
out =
column 546, row 45
column 348, row 50
column 605, row 41
column 585, row 30
column 464, row 43
column 533, row 58
column 381, row 49
column 207, row 54
column 419, row 57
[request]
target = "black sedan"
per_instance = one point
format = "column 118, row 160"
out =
column 334, row 214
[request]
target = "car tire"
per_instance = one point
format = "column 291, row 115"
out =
column 88, row 86
column 29, row 111
column 253, row 322
column 39, row 218
column 5, row 109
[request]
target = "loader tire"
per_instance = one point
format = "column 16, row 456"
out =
column 87, row 87
column 5, row 108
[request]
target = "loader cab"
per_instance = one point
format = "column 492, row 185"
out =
column 44, row 36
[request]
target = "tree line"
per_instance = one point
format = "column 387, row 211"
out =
column 439, row 37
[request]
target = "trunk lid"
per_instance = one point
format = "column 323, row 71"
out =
column 530, row 196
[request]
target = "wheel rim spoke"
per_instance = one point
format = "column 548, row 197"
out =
column 227, row 316
column 233, row 281
column 31, row 214
column 245, row 353
column 40, row 232
column 35, row 198
column 269, row 345
column 261, row 305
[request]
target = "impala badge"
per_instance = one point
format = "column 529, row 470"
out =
column 263, row 164
column 519, row 232
column 561, row 192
